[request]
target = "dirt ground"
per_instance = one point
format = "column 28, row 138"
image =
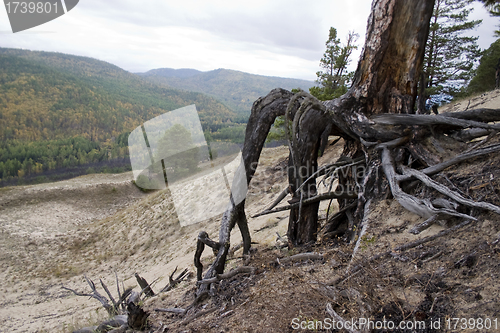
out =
column 54, row 234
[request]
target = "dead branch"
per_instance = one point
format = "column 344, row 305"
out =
column 201, row 313
column 95, row 294
column 148, row 287
column 145, row 286
column 421, row 207
column 321, row 197
column 345, row 324
column 332, row 168
column 356, row 269
column 117, row 284
column 300, row 257
column 482, row 142
column 124, row 296
column 429, row 171
column 228, row 275
column 466, row 135
column 427, row 239
column 333, row 223
column 282, row 196
column 433, row 257
column 174, row 281
column 109, row 294
column 422, row 119
column 446, row 191
column 481, row 114
column 179, row 311
column 179, row 277
column 230, row 217
column 424, row 225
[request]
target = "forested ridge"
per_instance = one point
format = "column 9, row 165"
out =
column 63, row 111
column 236, row 89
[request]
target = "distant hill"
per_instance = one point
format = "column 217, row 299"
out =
column 238, row 90
column 171, row 72
column 62, row 116
column 45, row 95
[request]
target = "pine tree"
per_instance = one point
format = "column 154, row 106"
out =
column 334, row 78
column 485, row 73
column 494, row 9
column 449, row 56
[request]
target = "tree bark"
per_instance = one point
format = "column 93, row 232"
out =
column 310, row 128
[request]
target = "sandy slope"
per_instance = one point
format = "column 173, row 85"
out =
column 488, row 100
column 53, row 234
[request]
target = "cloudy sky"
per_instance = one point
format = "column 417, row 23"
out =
column 279, row 37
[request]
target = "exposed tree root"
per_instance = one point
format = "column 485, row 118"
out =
column 375, row 118
column 446, row 191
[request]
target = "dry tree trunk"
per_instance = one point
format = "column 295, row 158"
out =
column 385, row 83
column 310, row 129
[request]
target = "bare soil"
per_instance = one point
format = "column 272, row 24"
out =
column 54, row 234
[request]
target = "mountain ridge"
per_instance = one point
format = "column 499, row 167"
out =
column 236, row 89
column 85, row 94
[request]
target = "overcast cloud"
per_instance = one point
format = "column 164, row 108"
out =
column 279, row 37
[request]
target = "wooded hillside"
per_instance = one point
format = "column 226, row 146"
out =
column 47, row 95
column 236, row 89
column 63, row 111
